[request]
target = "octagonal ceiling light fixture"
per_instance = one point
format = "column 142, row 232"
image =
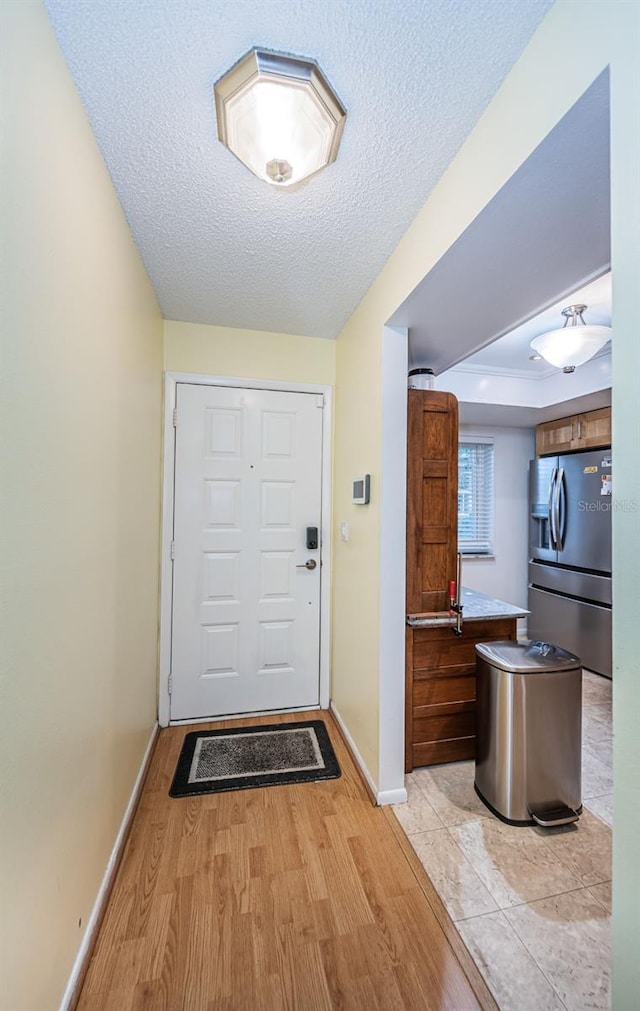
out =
column 279, row 115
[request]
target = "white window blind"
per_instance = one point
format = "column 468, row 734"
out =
column 475, row 496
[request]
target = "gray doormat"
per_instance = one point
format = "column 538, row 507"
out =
column 214, row 761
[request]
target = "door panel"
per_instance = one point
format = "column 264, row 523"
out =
column 583, row 629
column 587, row 536
column 246, row 612
column 542, row 471
column 594, row 428
column 553, row 437
column 571, row 582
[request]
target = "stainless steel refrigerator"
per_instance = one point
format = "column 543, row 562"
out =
column 570, row 554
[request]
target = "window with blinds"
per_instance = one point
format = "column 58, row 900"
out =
column 475, row 496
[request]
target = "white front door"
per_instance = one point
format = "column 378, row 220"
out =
column 246, row 609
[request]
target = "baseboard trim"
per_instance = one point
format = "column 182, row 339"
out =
column 379, row 797
column 370, row 784
column 392, row 796
column 76, row 979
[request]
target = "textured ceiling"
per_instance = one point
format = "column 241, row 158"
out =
column 219, row 245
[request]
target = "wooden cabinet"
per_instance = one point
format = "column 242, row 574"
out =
column 591, row 430
column 440, row 668
column 441, row 689
column 555, row 437
column 432, row 499
column 594, row 429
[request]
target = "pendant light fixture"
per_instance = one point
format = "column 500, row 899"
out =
column 279, row 116
column 574, row 343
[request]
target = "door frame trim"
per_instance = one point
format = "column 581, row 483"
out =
column 171, row 380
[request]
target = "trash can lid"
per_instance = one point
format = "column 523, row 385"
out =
column 527, row 657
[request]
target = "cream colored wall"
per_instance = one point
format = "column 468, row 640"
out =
column 82, row 358
column 250, row 354
column 356, row 562
column 538, row 92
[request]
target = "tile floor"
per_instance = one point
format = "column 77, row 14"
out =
column 532, row 905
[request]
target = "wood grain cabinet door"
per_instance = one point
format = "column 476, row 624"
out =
column 554, row 437
column 432, row 499
column 594, row 428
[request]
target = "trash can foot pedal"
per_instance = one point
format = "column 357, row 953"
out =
column 561, row 815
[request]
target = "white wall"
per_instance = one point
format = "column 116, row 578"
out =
column 82, row 363
column 505, row 575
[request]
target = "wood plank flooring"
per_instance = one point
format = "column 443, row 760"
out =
column 296, row 897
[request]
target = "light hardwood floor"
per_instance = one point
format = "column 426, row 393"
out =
column 298, row 897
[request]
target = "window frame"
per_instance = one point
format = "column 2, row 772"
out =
column 483, row 515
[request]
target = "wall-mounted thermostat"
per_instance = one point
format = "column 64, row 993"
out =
column 361, row 487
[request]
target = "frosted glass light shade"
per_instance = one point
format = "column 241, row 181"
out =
column 279, row 116
column 571, row 346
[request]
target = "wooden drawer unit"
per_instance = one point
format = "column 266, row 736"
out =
column 441, row 689
column 437, row 752
column 443, row 650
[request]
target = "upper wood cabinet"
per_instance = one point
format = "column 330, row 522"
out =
column 555, row 436
column 594, row 429
column 432, row 499
column 581, row 431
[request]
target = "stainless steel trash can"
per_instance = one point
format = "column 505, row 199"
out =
column 529, row 732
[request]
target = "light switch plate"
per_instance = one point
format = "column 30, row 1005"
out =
column 344, row 531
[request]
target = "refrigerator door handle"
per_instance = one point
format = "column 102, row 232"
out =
column 557, row 489
column 561, row 508
column 552, row 511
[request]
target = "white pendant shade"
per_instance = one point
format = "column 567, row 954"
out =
column 279, row 116
column 571, row 346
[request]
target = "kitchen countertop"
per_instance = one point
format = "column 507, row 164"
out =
column 475, row 607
